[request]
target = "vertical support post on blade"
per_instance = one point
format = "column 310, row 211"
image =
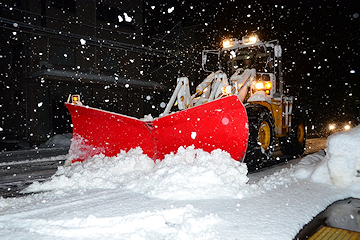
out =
column 180, row 82
column 219, row 78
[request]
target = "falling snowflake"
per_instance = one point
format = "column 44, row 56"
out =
column 127, row 18
column 170, row 10
column 193, row 135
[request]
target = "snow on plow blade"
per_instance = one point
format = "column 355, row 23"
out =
column 218, row 124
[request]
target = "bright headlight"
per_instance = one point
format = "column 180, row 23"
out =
column 332, row 126
column 347, row 127
column 263, row 85
column 268, row 85
column 227, row 43
column 259, row 85
column 250, row 39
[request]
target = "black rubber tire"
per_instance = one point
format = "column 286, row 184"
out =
column 256, row 155
column 294, row 142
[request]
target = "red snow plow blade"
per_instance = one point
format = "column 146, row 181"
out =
column 220, row 124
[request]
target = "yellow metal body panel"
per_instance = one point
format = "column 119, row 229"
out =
column 327, row 233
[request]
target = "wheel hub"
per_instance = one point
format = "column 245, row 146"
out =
column 300, row 133
column 264, row 135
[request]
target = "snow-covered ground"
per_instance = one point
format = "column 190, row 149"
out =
column 189, row 195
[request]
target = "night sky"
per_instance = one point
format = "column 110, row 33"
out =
column 320, row 41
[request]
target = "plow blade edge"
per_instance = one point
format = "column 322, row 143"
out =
column 220, row 124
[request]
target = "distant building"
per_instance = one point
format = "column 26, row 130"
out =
column 51, row 48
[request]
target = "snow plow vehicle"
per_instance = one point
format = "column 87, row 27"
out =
column 245, row 115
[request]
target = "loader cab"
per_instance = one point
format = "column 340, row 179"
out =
column 230, row 60
column 246, row 59
column 266, row 58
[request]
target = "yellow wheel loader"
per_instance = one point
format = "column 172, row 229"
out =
column 256, row 78
column 245, row 115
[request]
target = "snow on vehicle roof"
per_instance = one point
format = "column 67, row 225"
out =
column 189, row 195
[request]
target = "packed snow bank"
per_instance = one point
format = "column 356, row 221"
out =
column 341, row 164
column 308, row 164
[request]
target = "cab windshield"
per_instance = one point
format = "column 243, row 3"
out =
column 254, row 58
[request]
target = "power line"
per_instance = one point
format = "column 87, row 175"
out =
column 178, row 24
column 37, row 30
column 64, row 21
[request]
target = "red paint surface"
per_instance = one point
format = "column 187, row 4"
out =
column 218, row 124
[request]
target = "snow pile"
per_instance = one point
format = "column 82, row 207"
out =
column 194, row 174
column 98, row 172
column 188, row 174
column 341, row 164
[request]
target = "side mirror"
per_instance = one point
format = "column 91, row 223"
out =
column 210, row 60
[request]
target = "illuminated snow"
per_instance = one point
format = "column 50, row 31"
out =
column 170, row 10
column 189, row 195
column 127, row 17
